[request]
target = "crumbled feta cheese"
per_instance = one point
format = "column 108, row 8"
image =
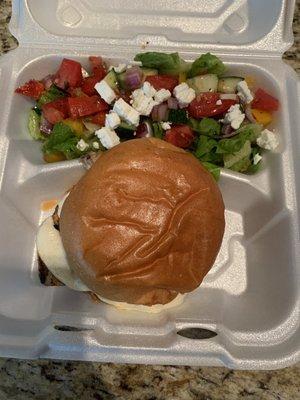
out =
column 96, row 145
column 234, row 116
column 142, row 103
column 268, row 140
column 257, row 158
column 219, row 102
column 112, row 120
column 184, row 94
column 166, row 125
column 162, row 95
column 120, row 68
column 82, row 145
column 148, row 89
column 107, row 137
column 244, row 92
column 126, row 112
column 111, row 67
column 105, row 91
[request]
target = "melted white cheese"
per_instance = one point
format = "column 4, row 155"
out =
column 52, row 252
column 156, row 308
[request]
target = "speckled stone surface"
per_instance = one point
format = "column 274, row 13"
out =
column 43, row 379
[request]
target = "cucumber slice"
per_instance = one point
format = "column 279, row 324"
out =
column 158, row 131
column 125, row 131
column 228, row 84
column 126, row 126
column 121, row 80
column 204, row 83
column 149, row 72
column 34, row 126
column 112, row 80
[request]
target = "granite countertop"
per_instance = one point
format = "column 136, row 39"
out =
column 43, row 379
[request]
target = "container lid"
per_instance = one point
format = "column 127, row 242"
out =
column 242, row 26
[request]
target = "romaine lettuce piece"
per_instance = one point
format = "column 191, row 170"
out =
column 207, row 126
column 165, row 63
column 205, row 145
column 242, row 165
column 62, row 139
column 50, row 95
column 213, row 169
column 231, row 159
column 232, row 145
column 207, row 64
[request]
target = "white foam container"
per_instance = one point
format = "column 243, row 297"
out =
column 251, row 296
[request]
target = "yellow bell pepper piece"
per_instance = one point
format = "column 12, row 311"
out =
column 250, row 80
column 262, row 117
column 182, row 77
column 76, row 125
column 54, row 157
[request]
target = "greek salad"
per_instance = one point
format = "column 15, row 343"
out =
column 198, row 106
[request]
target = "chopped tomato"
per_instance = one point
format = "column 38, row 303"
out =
column 85, row 105
column 167, row 82
column 88, row 85
column 204, row 105
column 56, row 110
column 99, row 118
column 98, row 67
column 180, row 136
column 69, row 74
column 264, row 101
column 32, row 89
column 99, row 72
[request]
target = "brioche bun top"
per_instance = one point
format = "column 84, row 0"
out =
column 145, row 223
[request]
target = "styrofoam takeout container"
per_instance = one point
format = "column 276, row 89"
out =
column 251, row 296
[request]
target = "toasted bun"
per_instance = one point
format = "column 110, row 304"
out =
column 145, row 223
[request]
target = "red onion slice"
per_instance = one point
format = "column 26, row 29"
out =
column 172, row 103
column 45, row 126
column 90, row 126
column 163, row 112
column 160, row 113
column 249, row 115
column 226, row 132
column 228, row 96
column 89, row 159
column 154, row 113
column 48, row 81
column 60, row 85
column 144, row 130
column 84, row 72
column 133, row 78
